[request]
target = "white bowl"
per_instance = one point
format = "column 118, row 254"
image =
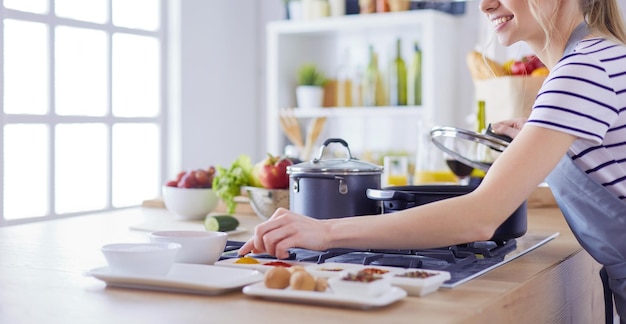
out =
column 199, row 247
column 370, row 289
column 153, row 259
column 419, row 286
column 189, row 203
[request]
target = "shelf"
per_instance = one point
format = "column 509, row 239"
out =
column 368, row 112
column 359, row 23
column 324, row 40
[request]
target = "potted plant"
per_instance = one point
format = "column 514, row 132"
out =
column 310, row 90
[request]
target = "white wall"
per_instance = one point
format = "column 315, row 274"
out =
column 223, row 77
column 222, row 67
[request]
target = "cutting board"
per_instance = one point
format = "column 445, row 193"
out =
column 169, row 223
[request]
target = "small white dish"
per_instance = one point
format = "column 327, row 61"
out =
column 201, row 247
column 331, row 269
column 183, row 278
column 419, row 286
column 141, row 258
column 327, row 298
column 342, row 285
column 379, row 270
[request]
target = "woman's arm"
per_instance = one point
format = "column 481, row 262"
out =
column 471, row 217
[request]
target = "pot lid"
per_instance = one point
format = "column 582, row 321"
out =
column 474, row 149
column 347, row 165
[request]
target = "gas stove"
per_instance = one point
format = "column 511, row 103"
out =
column 464, row 262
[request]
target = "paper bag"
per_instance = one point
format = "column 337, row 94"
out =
column 508, row 97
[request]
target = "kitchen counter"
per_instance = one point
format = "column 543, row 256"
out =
column 42, row 280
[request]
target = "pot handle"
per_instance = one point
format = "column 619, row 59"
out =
column 343, row 187
column 333, row 140
column 386, row 195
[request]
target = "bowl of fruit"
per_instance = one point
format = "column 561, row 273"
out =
column 270, row 186
column 190, row 195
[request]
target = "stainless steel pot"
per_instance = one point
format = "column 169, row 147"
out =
column 333, row 188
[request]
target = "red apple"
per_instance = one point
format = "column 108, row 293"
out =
column 272, row 172
column 203, row 180
column 188, row 180
column 526, row 65
column 193, row 178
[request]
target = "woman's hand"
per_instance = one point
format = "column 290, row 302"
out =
column 509, row 128
column 285, row 230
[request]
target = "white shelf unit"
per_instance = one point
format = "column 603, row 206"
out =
column 322, row 41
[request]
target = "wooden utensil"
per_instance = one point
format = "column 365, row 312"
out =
column 313, row 132
column 291, row 127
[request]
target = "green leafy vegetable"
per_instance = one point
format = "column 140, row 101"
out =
column 227, row 183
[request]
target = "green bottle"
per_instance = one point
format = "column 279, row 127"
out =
column 481, row 123
column 415, row 77
column 397, row 79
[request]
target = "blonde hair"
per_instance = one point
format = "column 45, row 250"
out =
column 602, row 16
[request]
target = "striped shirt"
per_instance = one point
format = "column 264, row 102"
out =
column 585, row 95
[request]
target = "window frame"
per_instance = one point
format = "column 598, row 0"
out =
column 51, row 119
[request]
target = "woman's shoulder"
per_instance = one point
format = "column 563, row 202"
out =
column 596, row 50
column 594, row 59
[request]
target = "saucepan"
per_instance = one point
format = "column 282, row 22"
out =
column 326, row 188
column 475, row 149
column 404, row 197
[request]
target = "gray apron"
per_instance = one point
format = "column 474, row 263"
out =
column 598, row 220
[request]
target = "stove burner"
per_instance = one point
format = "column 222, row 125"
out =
column 464, row 261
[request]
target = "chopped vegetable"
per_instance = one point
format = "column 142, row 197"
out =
column 227, row 183
column 221, row 223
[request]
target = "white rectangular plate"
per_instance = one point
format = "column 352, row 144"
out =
column 183, row 278
column 257, row 266
column 327, row 298
column 413, row 286
column 177, row 225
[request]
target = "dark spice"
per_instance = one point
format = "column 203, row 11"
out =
column 416, row 274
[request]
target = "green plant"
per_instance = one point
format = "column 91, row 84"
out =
column 309, row 75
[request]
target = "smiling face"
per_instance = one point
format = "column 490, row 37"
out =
column 513, row 20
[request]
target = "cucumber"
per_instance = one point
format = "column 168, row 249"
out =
column 220, row 223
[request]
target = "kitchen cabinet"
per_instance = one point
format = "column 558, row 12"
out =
column 324, row 41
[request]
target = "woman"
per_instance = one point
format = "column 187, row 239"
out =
column 575, row 137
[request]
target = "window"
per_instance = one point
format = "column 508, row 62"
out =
column 83, row 106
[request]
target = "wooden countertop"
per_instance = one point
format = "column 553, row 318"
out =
column 42, row 281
